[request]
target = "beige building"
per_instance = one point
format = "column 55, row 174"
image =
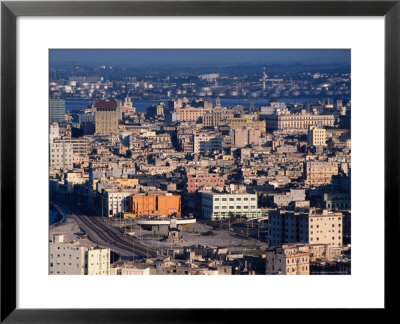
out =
column 246, row 136
column 79, row 145
column 61, row 156
column 312, row 226
column 217, row 116
column 190, row 114
column 316, row 136
column 106, row 118
column 246, row 121
column 319, row 172
column 325, row 228
column 74, row 259
column 288, row 260
column 284, row 120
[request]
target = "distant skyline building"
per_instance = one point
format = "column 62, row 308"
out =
column 57, row 110
column 106, row 118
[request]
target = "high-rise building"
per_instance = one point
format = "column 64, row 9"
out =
column 316, row 136
column 106, row 118
column 57, row 110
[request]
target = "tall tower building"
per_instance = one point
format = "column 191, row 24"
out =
column 218, row 103
column 106, row 118
column 264, row 78
column 57, row 110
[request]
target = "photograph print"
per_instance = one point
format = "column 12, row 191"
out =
column 199, row 162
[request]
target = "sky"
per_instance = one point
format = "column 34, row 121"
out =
column 199, row 56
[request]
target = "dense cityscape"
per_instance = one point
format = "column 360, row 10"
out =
column 191, row 169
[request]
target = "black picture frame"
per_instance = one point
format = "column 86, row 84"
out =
column 10, row 10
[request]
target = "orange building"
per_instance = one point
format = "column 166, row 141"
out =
column 155, row 205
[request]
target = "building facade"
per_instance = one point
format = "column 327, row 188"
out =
column 310, row 226
column 221, row 205
column 207, row 143
column 74, row 259
column 286, row 121
column 147, row 205
column 316, row 136
column 57, row 110
column 61, row 156
column 115, row 202
column 199, row 180
column 288, row 260
column 106, row 118
column 319, row 172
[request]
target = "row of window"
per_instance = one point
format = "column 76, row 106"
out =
column 237, row 207
column 237, row 199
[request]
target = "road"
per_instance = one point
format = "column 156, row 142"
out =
column 103, row 234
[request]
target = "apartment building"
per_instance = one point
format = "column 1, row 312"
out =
column 246, row 136
column 61, row 156
column 206, row 143
column 292, row 259
column 319, row 172
column 199, row 180
column 79, row 145
column 316, row 136
column 312, row 226
column 74, row 259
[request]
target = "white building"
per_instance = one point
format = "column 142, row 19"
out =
column 54, row 131
column 222, row 205
column 203, row 143
column 131, row 269
column 74, row 259
column 115, row 201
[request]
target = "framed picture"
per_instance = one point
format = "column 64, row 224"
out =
column 364, row 35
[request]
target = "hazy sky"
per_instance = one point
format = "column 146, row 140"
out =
column 208, row 57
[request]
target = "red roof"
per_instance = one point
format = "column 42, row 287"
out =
column 106, row 104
